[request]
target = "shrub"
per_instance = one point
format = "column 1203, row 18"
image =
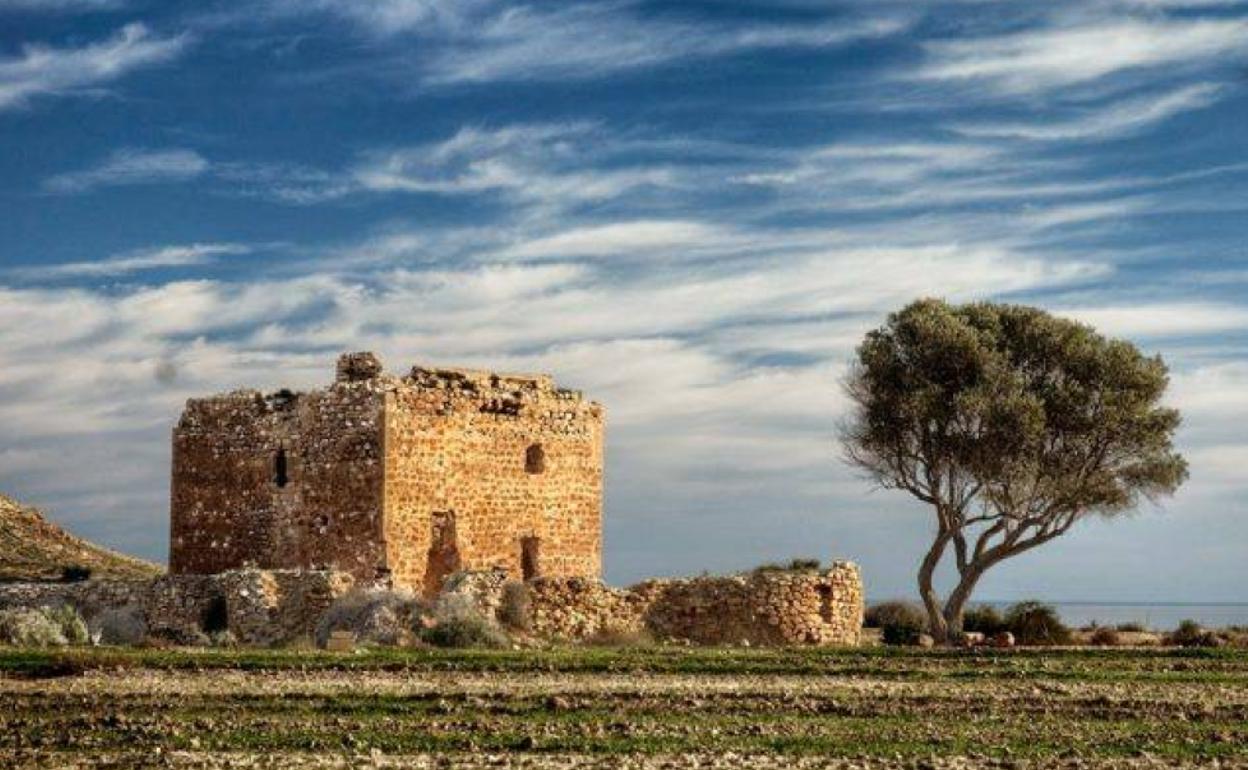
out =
column 376, row 617
column 119, row 625
column 71, row 624
column 1037, row 624
column 885, row 613
column 458, row 623
column 902, row 632
column 794, row 565
column 29, row 627
column 1192, row 634
column 1130, row 628
column 1104, row 636
column 983, row 619
column 516, row 607
column 75, row 573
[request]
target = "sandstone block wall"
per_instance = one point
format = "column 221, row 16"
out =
column 764, row 608
column 408, row 479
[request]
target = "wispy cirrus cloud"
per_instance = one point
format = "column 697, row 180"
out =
column 43, row 70
column 131, row 166
column 189, row 255
column 1043, row 59
column 487, row 40
column 1104, row 120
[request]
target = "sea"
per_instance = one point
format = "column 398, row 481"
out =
column 1151, row 615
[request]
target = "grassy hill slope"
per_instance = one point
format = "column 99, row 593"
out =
column 32, row 548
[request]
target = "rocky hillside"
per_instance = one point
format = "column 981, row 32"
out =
column 34, row 549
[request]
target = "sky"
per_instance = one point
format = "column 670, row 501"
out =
column 692, row 211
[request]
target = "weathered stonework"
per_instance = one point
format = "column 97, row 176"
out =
column 406, row 479
column 258, row 607
column 760, row 608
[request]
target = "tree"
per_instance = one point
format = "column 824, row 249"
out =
column 1012, row 424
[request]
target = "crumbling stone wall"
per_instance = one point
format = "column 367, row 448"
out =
column 279, row 482
column 761, row 608
column 409, row 479
column 89, row 597
column 258, row 607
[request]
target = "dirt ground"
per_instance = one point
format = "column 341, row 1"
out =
column 631, row 708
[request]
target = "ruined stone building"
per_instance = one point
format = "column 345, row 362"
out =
column 405, row 478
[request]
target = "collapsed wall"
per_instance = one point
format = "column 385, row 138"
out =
column 268, row 607
column 759, row 608
column 258, row 607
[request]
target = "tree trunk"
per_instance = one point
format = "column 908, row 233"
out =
column 956, row 602
column 935, row 619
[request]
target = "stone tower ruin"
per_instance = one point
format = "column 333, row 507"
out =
column 406, row 479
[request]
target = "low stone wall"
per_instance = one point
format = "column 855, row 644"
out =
column 267, row 607
column 761, row 608
column 89, row 597
column 259, row 607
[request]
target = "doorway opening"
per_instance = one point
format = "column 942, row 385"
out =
column 443, row 559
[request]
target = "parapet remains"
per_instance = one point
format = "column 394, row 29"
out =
column 401, row 479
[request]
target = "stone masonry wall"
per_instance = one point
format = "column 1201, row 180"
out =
column 278, row 482
column 484, row 471
column 763, row 608
column 262, row 607
column 410, row 478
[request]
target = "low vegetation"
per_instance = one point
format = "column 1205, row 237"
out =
column 42, row 627
column 668, row 706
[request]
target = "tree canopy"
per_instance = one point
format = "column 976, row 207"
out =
column 1012, row 424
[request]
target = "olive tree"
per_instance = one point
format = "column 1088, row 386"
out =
column 1012, row 424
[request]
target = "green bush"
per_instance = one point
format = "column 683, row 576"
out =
column 376, row 617
column 983, row 619
column 516, row 608
column 71, row 624
column 902, row 632
column 794, row 565
column 1035, row 623
column 1192, row 634
column 29, row 627
column 1130, row 628
column 458, row 623
column 886, row 613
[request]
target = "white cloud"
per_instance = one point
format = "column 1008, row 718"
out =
column 1105, row 121
column 489, row 40
column 1040, row 60
column 624, row 239
column 1162, row 319
column 137, row 261
column 550, row 164
column 42, row 70
column 130, row 167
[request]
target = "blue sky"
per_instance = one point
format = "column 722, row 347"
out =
column 692, row 211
